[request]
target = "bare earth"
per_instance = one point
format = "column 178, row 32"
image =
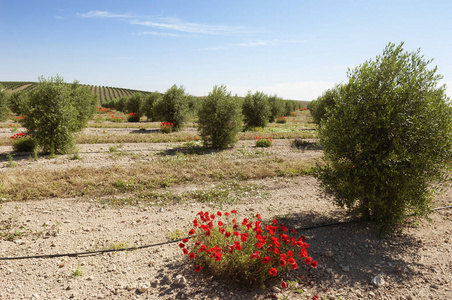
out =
column 414, row 265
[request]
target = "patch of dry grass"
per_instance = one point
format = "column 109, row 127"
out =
column 160, row 172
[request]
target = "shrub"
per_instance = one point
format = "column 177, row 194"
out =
column 4, row 110
column 166, row 127
column 388, row 138
column 246, row 252
column 134, row 105
column 263, row 142
column 323, row 105
column 24, row 143
column 133, row 117
column 55, row 111
column 17, row 102
column 255, row 110
column 120, row 104
column 173, row 106
column 150, row 104
column 281, row 120
column 276, row 108
column 219, row 118
column 289, row 106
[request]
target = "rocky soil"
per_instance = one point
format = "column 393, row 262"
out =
column 353, row 262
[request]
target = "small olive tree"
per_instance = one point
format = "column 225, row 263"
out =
column 255, row 110
column 388, row 139
column 324, row 104
column 134, row 107
column 55, row 110
column 275, row 108
column 150, row 104
column 4, row 110
column 18, row 101
column 220, row 118
column 173, row 107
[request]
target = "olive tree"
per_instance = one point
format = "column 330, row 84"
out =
column 4, row 111
column 220, row 118
column 388, row 139
column 55, row 110
column 255, row 110
column 173, row 107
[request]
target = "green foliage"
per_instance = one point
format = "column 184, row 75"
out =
column 173, row 107
column 255, row 110
column 264, row 142
column 388, row 139
column 220, row 119
column 55, row 111
column 25, row 144
column 324, row 104
column 134, row 104
column 18, row 101
column 84, row 103
column 4, row 110
column 150, row 104
column 289, row 106
column 120, row 104
column 276, row 108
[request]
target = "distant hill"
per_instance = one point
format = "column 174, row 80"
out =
column 103, row 93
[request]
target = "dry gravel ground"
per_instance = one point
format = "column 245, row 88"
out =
column 414, row 265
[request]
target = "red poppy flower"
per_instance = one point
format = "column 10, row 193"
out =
column 198, row 268
column 258, row 216
column 236, row 233
column 227, row 234
column 202, row 248
column 272, row 271
column 266, row 259
column 282, row 263
column 182, row 245
column 283, row 284
column 185, row 240
column 191, row 232
column 308, row 260
column 289, row 253
column 185, row 251
column 220, row 223
column 192, row 255
column 219, row 213
column 233, row 211
column 314, row 264
column 274, row 221
column 198, row 243
column 294, row 266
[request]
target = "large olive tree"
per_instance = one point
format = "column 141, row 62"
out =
column 388, row 139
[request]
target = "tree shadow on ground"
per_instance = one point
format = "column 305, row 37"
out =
column 353, row 252
column 145, row 131
column 199, row 150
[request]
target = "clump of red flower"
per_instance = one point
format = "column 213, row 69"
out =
column 166, row 127
column 281, row 120
column 247, row 252
column 264, row 142
column 18, row 136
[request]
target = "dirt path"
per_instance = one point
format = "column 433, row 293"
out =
column 415, row 265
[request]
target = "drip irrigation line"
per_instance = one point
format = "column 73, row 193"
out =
column 86, row 253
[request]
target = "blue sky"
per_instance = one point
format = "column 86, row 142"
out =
column 293, row 48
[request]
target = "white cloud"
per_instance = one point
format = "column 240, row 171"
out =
column 166, row 24
column 101, row 14
column 254, row 43
column 302, row 90
column 58, row 17
column 164, row 34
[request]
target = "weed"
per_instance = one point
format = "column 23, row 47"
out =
column 10, row 162
column 77, row 272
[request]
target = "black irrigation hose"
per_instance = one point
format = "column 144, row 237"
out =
column 168, row 242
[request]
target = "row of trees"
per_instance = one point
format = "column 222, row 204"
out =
column 176, row 106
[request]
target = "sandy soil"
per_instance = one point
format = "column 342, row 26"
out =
column 414, row 265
